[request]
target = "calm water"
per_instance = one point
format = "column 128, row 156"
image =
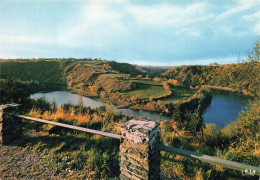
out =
column 222, row 110
column 62, row 97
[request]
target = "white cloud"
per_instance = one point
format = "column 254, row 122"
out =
column 168, row 15
column 150, row 63
column 7, row 56
column 124, row 29
column 103, row 23
column 242, row 5
column 96, row 24
column 21, row 38
column 257, row 28
column 188, row 31
column 252, row 17
column 220, row 60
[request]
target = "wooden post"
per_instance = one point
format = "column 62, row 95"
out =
column 10, row 126
column 139, row 158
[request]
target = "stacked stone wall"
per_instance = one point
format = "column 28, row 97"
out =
column 10, row 126
column 139, row 158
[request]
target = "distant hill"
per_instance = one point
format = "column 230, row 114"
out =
column 84, row 74
column 125, row 68
column 242, row 76
column 100, row 74
column 152, row 69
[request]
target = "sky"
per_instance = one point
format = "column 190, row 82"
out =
column 154, row 32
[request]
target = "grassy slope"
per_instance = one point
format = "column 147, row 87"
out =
column 143, row 81
column 74, row 72
column 95, row 151
column 179, row 93
column 84, row 74
column 145, row 91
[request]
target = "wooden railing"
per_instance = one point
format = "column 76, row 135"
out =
column 201, row 157
column 209, row 159
column 70, row 126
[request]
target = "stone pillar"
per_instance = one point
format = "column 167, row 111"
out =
column 10, row 127
column 139, row 158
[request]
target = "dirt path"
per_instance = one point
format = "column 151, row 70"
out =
column 19, row 163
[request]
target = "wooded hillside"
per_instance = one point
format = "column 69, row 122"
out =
column 243, row 76
column 87, row 75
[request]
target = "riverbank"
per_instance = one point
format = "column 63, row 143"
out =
column 197, row 103
column 146, row 108
column 229, row 90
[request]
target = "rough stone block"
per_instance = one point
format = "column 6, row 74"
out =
column 139, row 158
column 10, row 126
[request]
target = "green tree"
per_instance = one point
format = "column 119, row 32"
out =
column 254, row 55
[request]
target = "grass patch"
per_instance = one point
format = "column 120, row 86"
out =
column 143, row 81
column 96, row 156
column 114, row 75
column 179, row 93
column 145, row 91
column 91, row 62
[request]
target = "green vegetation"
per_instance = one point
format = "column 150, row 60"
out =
column 124, row 68
column 16, row 91
column 33, row 70
column 116, row 75
column 95, row 156
column 141, row 81
column 173, row 93
column 179, row 93
column 99, row 78
column 145, row 91
column 237, row 142
column 98, row 157
column 241, row 77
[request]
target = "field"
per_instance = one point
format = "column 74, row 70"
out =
column 179, row 93
column 115, row 75
column 149, row 88
column 145, row 91
column 145, row 81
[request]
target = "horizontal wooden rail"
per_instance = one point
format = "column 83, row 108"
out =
column 116, row 136
column 210, row 159
column 202, row 157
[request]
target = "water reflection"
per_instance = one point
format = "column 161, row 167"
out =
column 222, row 110
column 62, row 97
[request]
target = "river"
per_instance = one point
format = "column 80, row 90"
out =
column 62, row 97
column 222, row 110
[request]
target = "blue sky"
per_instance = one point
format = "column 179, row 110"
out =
column 139, row 32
